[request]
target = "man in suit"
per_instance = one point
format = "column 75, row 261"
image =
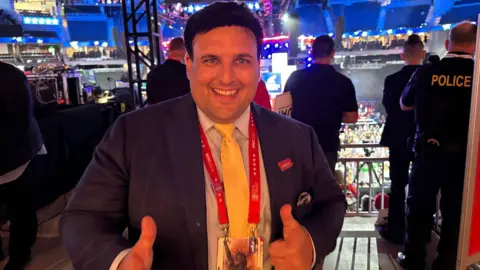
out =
column 399, row 130
column 163, row 183
column 20, row 142
column 169, row 80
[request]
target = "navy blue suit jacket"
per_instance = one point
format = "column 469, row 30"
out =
column 150, row 163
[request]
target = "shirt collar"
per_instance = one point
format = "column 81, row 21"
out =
column 459, row 55
column 241, row 123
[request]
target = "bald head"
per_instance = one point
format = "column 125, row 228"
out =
column 462, row 38
column 463, row 33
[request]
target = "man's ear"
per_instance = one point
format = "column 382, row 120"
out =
column 188, row 63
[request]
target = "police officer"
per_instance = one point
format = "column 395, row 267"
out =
column 441, row 96
column 399, row 130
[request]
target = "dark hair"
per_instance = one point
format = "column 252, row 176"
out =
column 220, row 14
column 463, row 33
column 413, row 45
column 322, row 47
column 176, row 44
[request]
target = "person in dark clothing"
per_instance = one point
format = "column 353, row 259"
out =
column 169, row 80
column 440, row 95
column 398, row 132
column 323, row 98
column 20, row 142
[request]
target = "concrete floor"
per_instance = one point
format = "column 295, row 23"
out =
column 359, row 246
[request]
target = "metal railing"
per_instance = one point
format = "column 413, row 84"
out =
column 363, row 177
column 373, row 166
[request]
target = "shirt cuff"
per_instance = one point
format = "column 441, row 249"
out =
column 313, row 246
column 119, row 259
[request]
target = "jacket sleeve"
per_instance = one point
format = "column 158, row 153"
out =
column 387, row 95
column 92, row 224
column 329, row 204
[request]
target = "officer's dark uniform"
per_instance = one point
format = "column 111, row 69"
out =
column 398, row 132
column 441, row 96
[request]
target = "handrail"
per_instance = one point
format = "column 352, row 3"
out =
column 363, row 159
column 362, row 145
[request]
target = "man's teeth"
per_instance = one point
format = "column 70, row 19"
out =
column 225, row 92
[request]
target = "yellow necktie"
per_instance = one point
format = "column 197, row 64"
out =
column 235, row 182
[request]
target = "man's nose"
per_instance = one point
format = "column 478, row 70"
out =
column 226, row 74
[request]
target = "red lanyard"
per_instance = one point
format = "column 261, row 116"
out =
column 217, row 184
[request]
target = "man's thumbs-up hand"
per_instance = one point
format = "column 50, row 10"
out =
column 140, row 257
column 295, row 251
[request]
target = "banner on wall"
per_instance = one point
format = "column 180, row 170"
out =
column 469, row 244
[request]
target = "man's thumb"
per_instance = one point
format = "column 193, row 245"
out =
column 287, row 217
column 148, row 234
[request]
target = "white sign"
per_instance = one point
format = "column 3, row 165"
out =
column 283, row 104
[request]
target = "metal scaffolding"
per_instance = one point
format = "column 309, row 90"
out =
column 134, row 11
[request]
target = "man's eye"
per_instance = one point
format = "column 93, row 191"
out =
column 243, row 61
column 210, row 61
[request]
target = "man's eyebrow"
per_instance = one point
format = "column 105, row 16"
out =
column 207, row 56
column 244, row 55
column 213, row 56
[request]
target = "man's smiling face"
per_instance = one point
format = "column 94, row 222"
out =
column 224, row 72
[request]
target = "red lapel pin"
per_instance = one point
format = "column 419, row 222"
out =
column 285, row 164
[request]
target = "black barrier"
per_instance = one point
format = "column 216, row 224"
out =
column 70, row 135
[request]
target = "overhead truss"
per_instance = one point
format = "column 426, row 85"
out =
column 134, row 12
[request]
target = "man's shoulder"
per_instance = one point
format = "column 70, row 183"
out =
column 297, row 74
column 342, row 77
column 285, row 122
column 12, row 79
column 8, row 70
column 168, row 65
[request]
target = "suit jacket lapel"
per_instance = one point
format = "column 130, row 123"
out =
column 271, row 145
column 186, row 154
